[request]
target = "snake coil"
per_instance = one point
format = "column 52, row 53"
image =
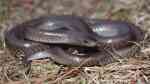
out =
column 54, row 36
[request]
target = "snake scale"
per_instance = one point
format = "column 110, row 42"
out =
column 73, row 40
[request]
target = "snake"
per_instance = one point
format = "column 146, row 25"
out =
column 53, row 36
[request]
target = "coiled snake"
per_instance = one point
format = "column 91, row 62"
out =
column 73, row 40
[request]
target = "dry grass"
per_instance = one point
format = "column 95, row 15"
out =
column 127, row 71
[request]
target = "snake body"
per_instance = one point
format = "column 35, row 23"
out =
column 40, row 38
column 61, row 30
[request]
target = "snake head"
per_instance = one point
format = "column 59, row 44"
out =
column 87, row 42
column 82, row 39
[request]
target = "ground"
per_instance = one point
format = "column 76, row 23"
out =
column 128, row 71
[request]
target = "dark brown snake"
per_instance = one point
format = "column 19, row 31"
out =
column 53, row 36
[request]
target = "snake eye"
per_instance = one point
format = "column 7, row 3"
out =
column 85, row 41
column 89, row 43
